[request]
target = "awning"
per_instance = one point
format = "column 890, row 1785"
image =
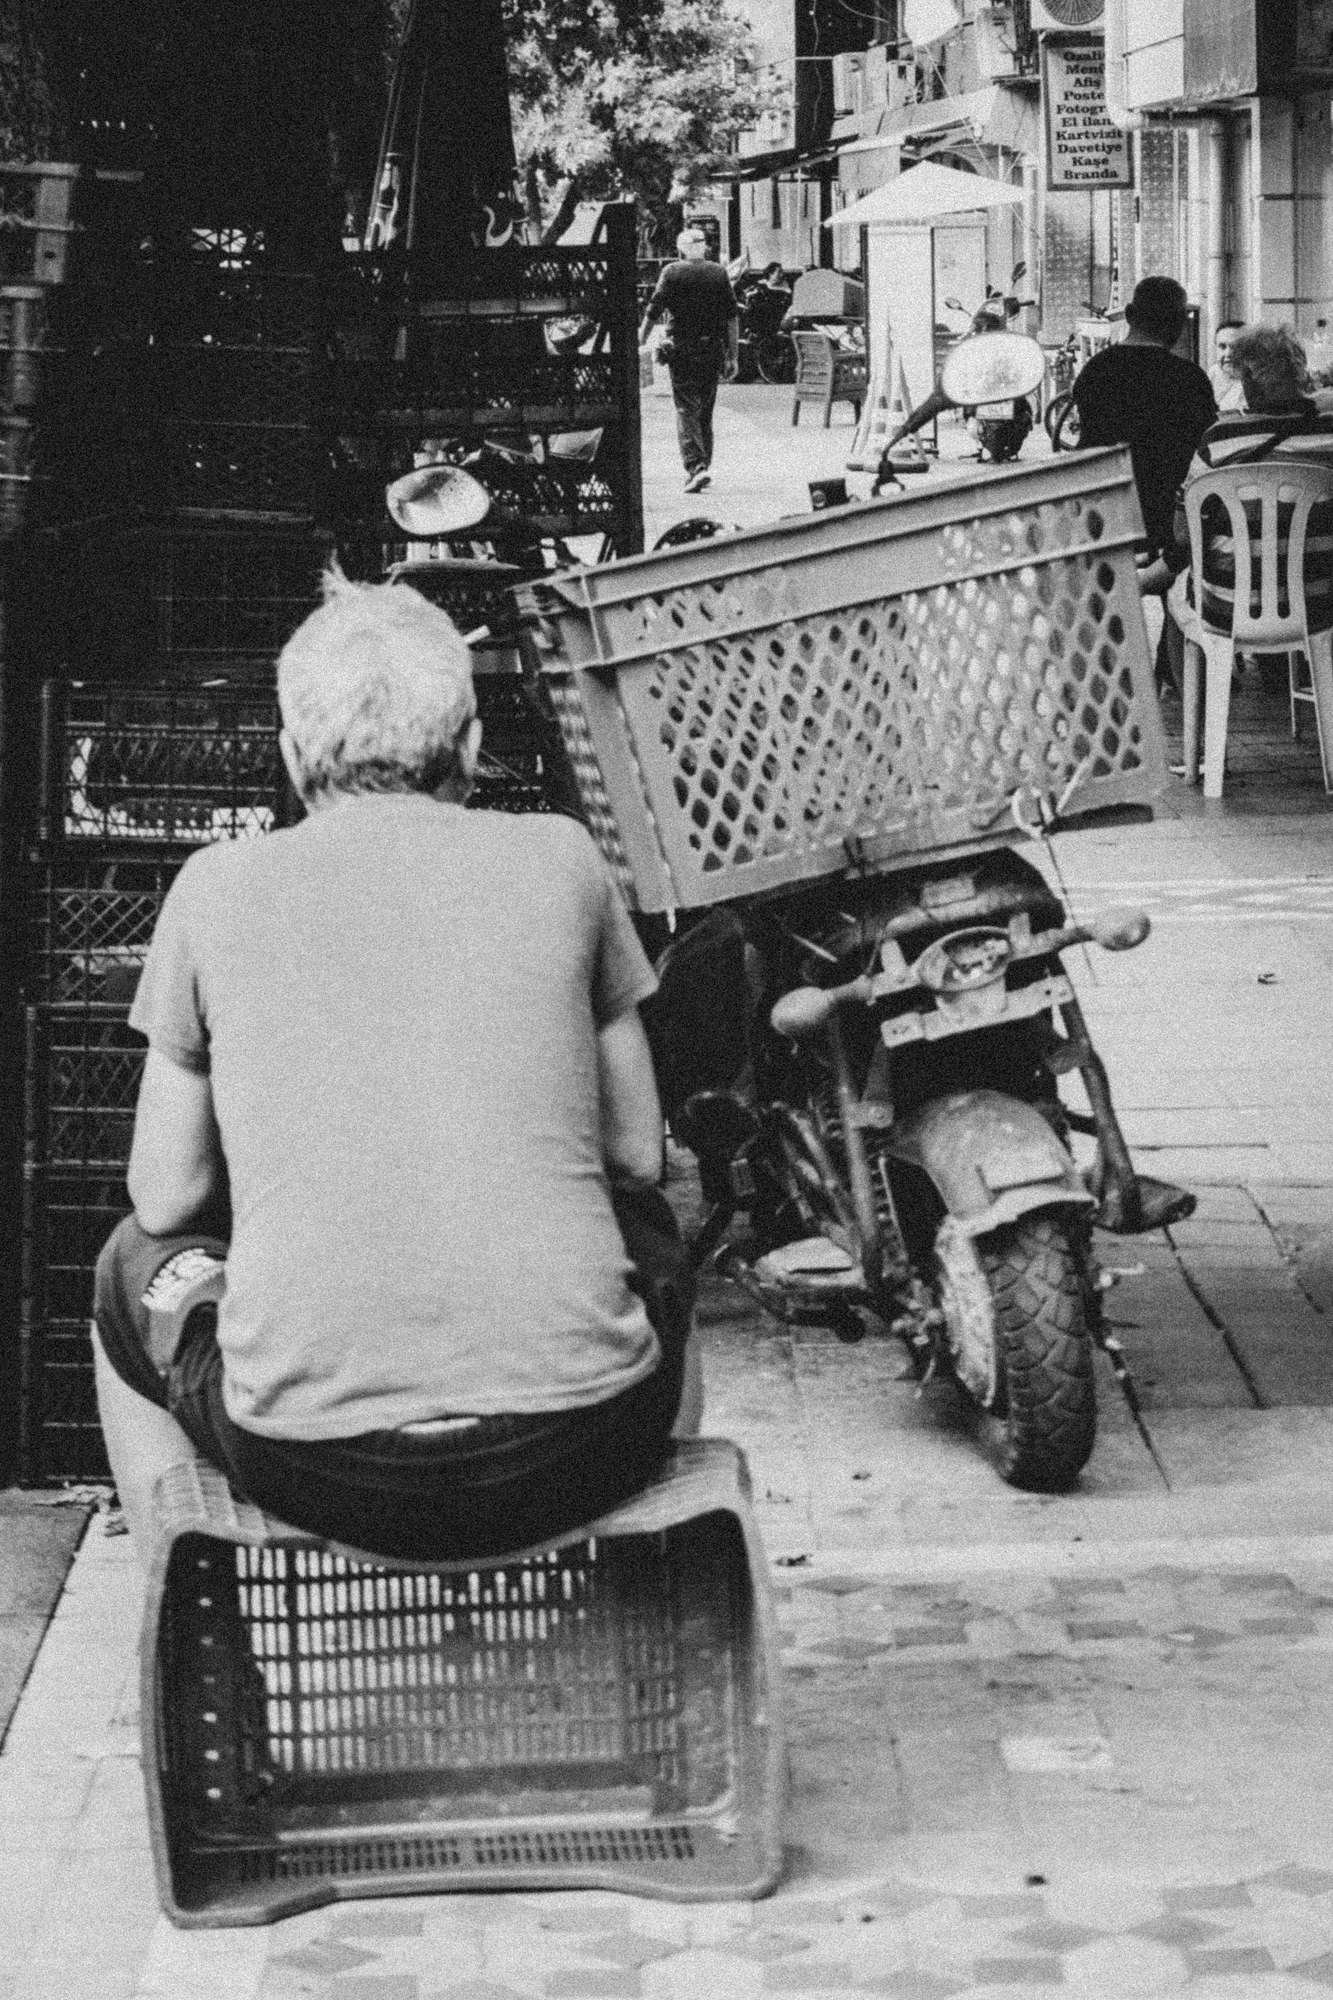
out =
column 1000, row 115
column 923, row 194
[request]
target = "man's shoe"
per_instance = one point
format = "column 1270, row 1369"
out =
column 697, row 482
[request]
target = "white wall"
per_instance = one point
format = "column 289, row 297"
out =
column 1154, row 52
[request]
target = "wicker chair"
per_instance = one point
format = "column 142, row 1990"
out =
column 827, row 375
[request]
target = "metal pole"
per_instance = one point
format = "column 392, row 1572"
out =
column 1216, row 150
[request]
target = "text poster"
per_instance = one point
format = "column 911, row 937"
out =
column 1083, row 148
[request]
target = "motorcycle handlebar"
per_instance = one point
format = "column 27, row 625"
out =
column 1115, row 930
column 807, row 1009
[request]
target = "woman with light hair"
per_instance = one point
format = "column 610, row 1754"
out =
column 398, row 1265
column 1281, row 422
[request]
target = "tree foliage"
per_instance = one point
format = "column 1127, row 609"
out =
column 628, row 97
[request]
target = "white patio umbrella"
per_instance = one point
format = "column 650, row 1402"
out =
column 925, row 193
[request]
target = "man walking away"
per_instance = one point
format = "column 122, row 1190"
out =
column 1141, row 394
column 700, row 347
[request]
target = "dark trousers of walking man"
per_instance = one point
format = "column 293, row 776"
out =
column 694, row 391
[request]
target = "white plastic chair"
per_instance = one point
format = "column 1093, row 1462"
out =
column 1275, row 481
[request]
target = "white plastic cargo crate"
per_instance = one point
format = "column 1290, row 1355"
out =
column 862, row 684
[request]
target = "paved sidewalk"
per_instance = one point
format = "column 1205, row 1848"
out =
column 763, row 463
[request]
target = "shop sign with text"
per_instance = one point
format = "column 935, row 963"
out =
column 1083, row 148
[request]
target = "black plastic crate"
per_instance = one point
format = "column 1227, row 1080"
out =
column 231, row 591
column 471, row 592
column 205, row 300
column 66, row 1220
column 60, row 1435
column 83, row 1067
column 88, row 923
column 463, row 365
column 522, row 767
column 233, row 468
column 166, row 764
column 239, row 385
column 67, row 1217
column 525, row 279
column 147, row 601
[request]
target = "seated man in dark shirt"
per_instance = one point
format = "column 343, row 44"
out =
column 1141, row 394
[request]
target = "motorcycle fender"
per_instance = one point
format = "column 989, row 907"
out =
column 991, row 1158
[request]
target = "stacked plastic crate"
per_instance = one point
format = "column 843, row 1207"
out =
column 528, row 354
column 156, row 731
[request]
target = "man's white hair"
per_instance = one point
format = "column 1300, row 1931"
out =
column 376, row 690
column 691, row 233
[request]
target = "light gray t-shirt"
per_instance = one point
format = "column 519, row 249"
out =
column 397, row 1004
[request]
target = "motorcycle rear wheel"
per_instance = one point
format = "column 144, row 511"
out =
column 1014, row 1305
column 776, row 358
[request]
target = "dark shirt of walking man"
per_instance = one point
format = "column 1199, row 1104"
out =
column 701, row 346
column 1141, row 394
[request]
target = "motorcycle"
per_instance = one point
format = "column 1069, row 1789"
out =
column 990, row 373
column 867, row 1072
column 763, row 299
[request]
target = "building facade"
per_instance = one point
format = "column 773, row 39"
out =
column 1227, row 154
column 1229, row 104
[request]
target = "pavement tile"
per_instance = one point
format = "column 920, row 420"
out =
column 326, row 1957
column 1055, row 1936
column 1177, row 1930
column 626, row 1948
column 801, row 1976
column 585, row 1917
column 914, row 1986
column 765, row 1947
column 358, row 1921
column 691, row 1975
column 1209, row 1896
column 474, row 1989
column 376, row 1986
column 1298, row 1881
column 1200, row 1638
column 1254, row 1583
column 1283, row 1628
column 1123, row 1968
column 1318, row 1971
column 1081, row 1629
column 1228, row 1963
column 1018, row 1971
column 838, row 1586
column 992, row 1908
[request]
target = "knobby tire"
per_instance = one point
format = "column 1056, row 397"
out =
column 1041, row 1431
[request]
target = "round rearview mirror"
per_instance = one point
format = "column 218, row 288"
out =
column 1120, row 930
column 437, row 500
column 992, row 368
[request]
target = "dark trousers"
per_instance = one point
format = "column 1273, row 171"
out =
column 694, row 391
column 484, row 1488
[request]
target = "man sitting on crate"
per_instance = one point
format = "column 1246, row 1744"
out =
column 400, row 1044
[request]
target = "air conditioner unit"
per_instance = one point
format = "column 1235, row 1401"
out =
column 994, row 41
column 1059, row 17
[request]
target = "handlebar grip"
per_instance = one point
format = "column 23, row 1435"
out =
column 1120, row 930
column 806, row 1009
